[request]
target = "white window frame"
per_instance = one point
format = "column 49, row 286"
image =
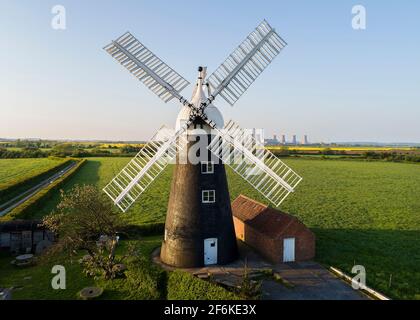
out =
column 205, row 164
column 207, row 195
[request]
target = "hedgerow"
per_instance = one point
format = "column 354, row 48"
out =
column 14, row 185
column 23, row 210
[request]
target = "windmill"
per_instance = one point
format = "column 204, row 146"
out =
column 199, row 228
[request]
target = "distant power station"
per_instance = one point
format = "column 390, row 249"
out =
column 284, row 141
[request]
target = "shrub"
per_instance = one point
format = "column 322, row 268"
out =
column 24, row 153
column 184, row 286
column 249, row 289
column 144, row 281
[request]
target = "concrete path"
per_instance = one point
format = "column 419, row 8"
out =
column 310, row 281
column 16, row 201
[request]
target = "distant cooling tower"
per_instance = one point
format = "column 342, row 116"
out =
column 283, row 139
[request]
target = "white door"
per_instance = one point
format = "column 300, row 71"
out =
column 289, row 250
column 210, row 251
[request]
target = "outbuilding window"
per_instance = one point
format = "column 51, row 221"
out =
column 208, row 196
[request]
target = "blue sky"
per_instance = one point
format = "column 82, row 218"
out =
column 331, row 82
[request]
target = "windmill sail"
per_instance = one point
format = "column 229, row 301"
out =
column 257, row 165
column 144, row 168
column 147, row 67
column 246, row 63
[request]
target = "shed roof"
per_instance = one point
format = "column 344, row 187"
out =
column 268, row 221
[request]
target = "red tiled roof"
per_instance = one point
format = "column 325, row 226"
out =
column 266, row 220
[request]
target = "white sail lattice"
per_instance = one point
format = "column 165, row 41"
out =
column 246, row 63
column 165, row 82
column 257, row 165
column 145, row 167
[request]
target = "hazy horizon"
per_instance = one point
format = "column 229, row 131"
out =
column 331, row 82
column 383, row 143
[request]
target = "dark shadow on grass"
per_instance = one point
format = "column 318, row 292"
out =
column 391, row 257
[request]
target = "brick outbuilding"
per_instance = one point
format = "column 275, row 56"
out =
column 278, row 236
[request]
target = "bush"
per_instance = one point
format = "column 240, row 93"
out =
column 145, row 281
column 24, row 153
column 391, row 156
column 184, row 286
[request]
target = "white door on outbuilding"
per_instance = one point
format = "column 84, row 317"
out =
column 210, row 251
column 289, row 250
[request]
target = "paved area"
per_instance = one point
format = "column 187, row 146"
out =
column 300, row 281
column 310, row 281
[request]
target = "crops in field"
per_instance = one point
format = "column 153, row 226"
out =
column 349, row 148
column 364, row 213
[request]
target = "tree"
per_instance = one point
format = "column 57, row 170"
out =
column 63, row 149
column 85, row 221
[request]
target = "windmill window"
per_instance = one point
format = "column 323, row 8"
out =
column 208, row 196
column 207, row 167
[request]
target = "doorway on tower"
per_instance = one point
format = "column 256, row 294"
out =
column 210, row 251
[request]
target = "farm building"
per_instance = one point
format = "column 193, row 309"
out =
column 277, row 236
column 24, row 236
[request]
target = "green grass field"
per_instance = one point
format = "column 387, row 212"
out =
column 364, row 213
column 13, row 170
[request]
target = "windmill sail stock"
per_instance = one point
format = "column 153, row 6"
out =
column 165, row 82
column 144, row 168
column 257, row 165
column 246, row 63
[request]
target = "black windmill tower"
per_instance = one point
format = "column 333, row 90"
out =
column 199, row 225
